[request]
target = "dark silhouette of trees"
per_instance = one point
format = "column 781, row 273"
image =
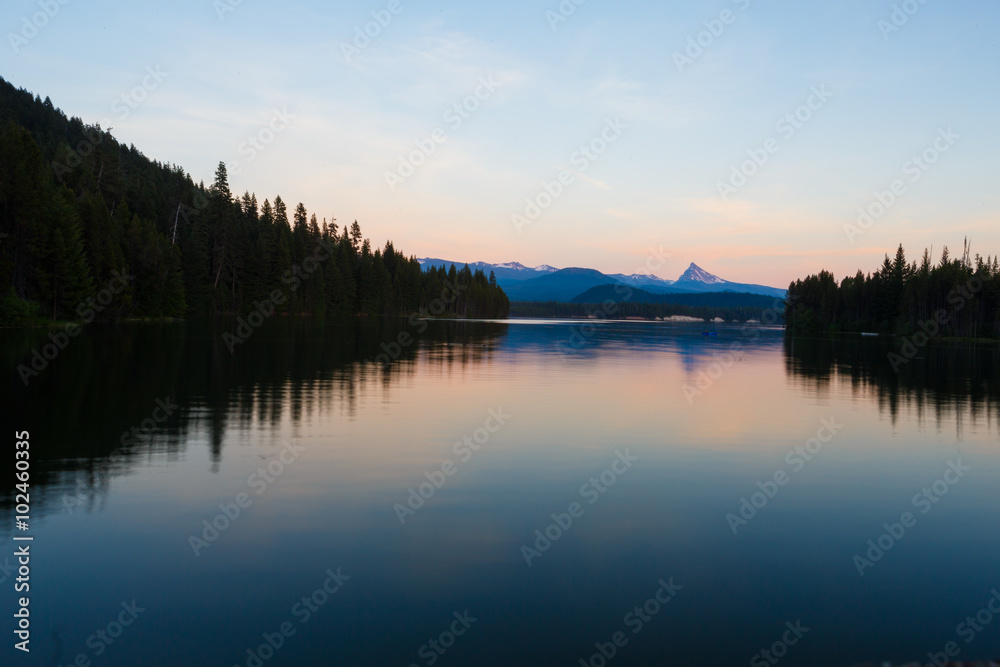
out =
column 79, row 210
column 961, row 295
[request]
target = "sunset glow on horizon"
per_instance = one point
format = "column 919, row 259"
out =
column 763, row 141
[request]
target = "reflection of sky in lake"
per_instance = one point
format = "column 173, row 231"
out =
column 369, row 435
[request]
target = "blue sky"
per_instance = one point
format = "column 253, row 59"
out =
column 229, row 72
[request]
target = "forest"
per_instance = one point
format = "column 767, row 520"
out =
column 93, row 229
column 954, row 297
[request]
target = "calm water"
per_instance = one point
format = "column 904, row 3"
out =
column 643, row 439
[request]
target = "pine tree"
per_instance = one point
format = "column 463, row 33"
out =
column 80, row 209
column 68, row 275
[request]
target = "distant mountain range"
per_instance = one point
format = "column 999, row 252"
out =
column 547, row 283
column 695, row 299
column 511, row 271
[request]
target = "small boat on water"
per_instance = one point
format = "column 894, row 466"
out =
column 709, row 333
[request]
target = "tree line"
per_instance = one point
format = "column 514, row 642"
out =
column 956, row 297
column 89, row 226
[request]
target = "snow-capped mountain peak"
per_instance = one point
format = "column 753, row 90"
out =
column 641, row 279
column 647, row 276
column 695, row 273
column 521, row 280
column 516, row 266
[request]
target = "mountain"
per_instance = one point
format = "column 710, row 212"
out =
column 523, row 283
column 641, row 280
column 505, row 273
column 697, row 279
column 560, row 285
column 697, row 274
column 727, row 299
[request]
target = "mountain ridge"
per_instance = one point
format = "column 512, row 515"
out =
column 546, row 283
column 698, row 274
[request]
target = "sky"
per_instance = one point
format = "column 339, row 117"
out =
column 742, row 135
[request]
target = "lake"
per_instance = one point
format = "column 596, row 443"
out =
column 377, row 492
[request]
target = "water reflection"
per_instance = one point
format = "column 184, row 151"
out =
column 947, row 381
column 109, row 382
column 83, row 408
column 576, row 394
